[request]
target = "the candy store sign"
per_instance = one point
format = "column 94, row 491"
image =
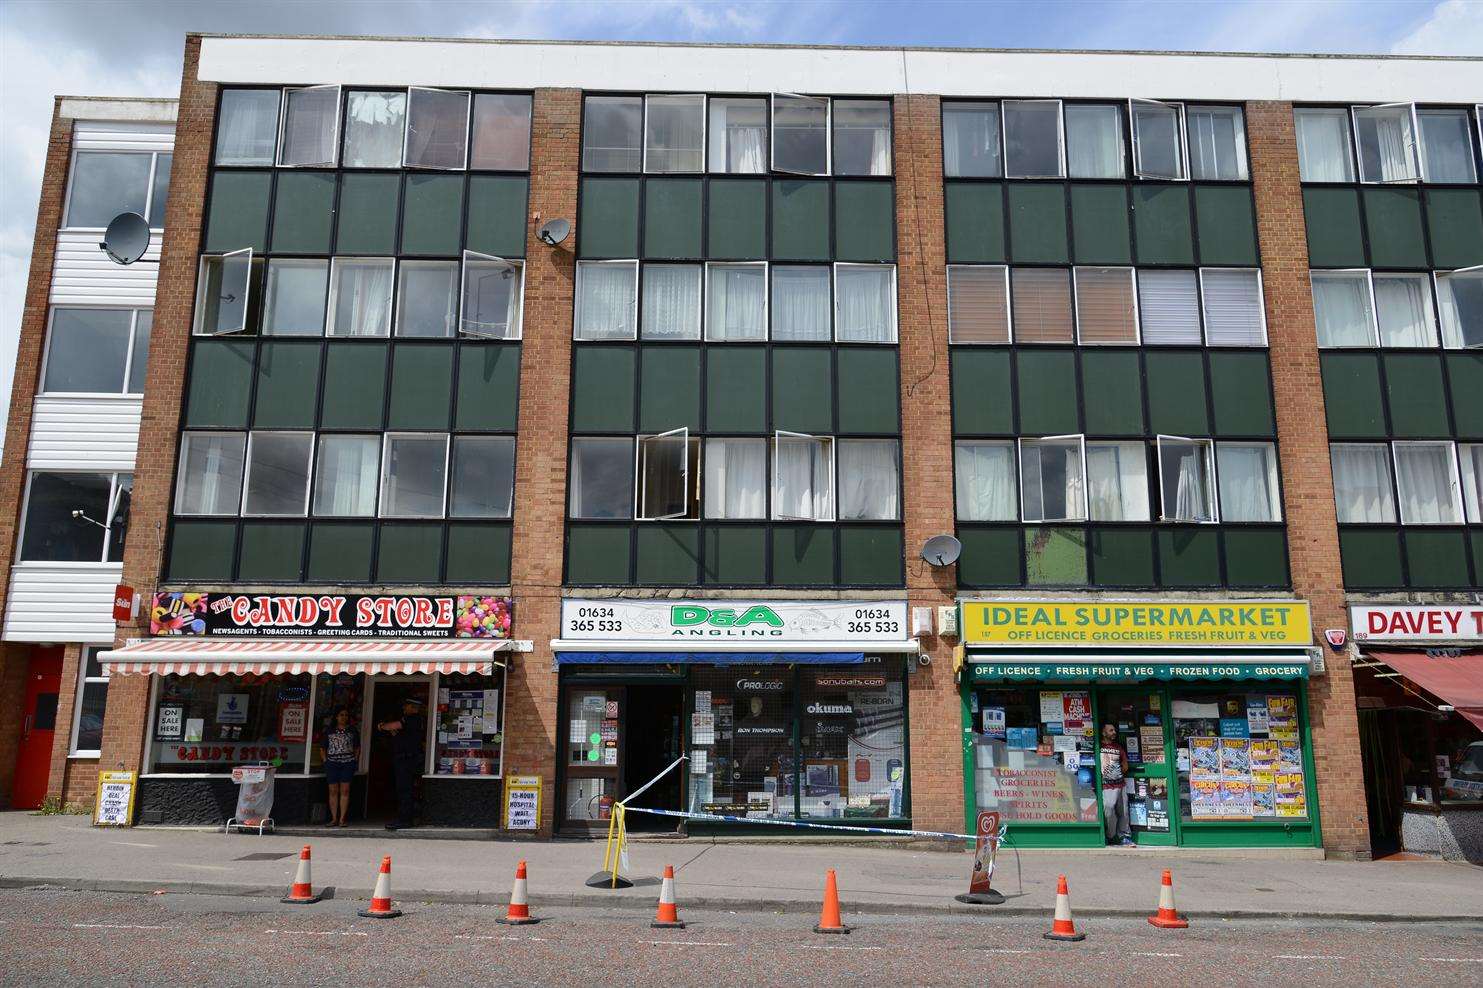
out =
column 245, row 615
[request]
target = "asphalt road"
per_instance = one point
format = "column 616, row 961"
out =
column 86, row 938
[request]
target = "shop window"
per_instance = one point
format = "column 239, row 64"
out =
column 1027, row 765
column 1094, row 141
column 1158, row 146
column 469, row 731
column 801, row 303
column 209, row 479
column 97, row 351
column 602, row 479
column 347, row 476
column 491, row 296
column 742, row 731
column 978, row 303
column 1232, row 299
column 224, row 298
column 1117, row 481
column 311, row 127
column 612, row 133
column 1343, row 309
column 1239, row 756
column 414, row 473
column 1033, row 139
column 802, row 477
column 1471, row 456
column 92, row 703
column 1446, row 145
column 294, row 303
column 333, row 693
column 984, row 480
column 211, row 724
column 1042, row 305
column 800, row 134
column 736, row 307
column 501, row 127
column 1247, row 474
column 106, row 183
column 375, row 125
column 862, row 137
column 1186, row 473
column 1386, row 136
column 1169, row 307
column 865, row 303
column 606, row 300
column 75, row 517
column 674, row 133
column 971, row 140
column 1053, row 479
column 1460, row 299
column 360, row 296
column 1323, row 145
column 852, row 741
column 735, row 478
column 869, row 479
column 672, row 218
column 738, row 135
column 666, row 477
column 247, row 133
column 368, row 214
column 1462, row 751
column 1105, row 308
column 437, row 128
column 427, row 298
column 671, row 302
column 277, row 478
column 1217, row 142
column 1427, row 483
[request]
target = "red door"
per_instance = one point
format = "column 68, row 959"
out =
column 38, row 726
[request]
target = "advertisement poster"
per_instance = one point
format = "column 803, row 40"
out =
column 115, row 802
column 993, row 723
column 1235, row 759
column 1052, row 707
column 1289, row 757
column 1022, row 738
column 523, row 802
column 1204, row 756
column 1263, row 800
column 1036, row 795
column 1282, row 715
column 1234, row 727
column 1204, row 798
column 169, row 723
column 1257, row 719
column 1151, row 740
column 195, row 729
column 231, row 708
column 1077, row 711
column 293, row 722
column 1235, row 799
column 987, row 832
column 1264, row 763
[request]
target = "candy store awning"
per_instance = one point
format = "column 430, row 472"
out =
column 217, row 657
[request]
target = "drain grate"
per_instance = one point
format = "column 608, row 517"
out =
column 265, row 856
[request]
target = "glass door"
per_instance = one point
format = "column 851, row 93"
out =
column 1141, row 718
column 591, row 755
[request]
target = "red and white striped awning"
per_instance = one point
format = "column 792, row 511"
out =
column 217, row 656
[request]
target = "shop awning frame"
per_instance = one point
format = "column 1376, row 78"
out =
column 279, row 656
column 754, row 645
column 1456, row 680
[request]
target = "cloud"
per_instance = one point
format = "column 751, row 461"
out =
column 1454, row 27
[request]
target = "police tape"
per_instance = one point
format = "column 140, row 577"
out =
column 724, row 818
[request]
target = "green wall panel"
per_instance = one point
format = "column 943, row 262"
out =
column 496, row 220
column 341, row 553
column 982, row 398
column 1413, row 388
column 238, row 214
column 287, row 386
column 736, row 389
column 802, row 555
column 1465, row 374
column 974, row 215
column 864, row 221
column 272, row 552
column 1112, row 392
column 1351, row 395
column 672, row 218
column 1099, row 224
column 737, row 221
column 1454, row 219
column 1393, row 217
column 669, row 388
column 367, row 218
column 1161, row 224
column 1241, row 391
column 602, row 388
column 409, row 553
column 1189, row 557
column 1122, row 557
column 1437, row 560
column 870, row 555
column 488, row 386
column 735, row 555
column 1335, row 235
column 597, row 554
column 1226, row 225
column 1255, row 558
column 1371, row 558
column 1046, row 385
column 354, row 385
column 1037, row 224
column 1055, row 557
column 303, row 212
column 802, row 390
column 609, row 221
column 478, row 554
column 421, row 382
column 221, row 384
column 201, row 550
column 800, row 220
column 991, row 557
column 868, row 390
column 668, row 555
column 1176, row 394
column 432, row 214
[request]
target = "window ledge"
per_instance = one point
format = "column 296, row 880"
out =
column 80, row 756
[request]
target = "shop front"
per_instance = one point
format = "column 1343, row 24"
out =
column 780, row 709
column 1207, row 700
column 243, row 679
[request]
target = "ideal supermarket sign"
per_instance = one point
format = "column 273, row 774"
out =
column 1204, row 624
column 1416, row 623
column 734, row 620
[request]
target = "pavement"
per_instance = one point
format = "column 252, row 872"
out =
column 66, row 852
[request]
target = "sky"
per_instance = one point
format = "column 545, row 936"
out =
column 133, row 48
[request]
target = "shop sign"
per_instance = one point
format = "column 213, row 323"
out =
column 523, row 802
column 761, row 685
column 734, row 620
column 1184, row 624
column 1132, row 672
column 184, row 754
column 114, row 806
column 850, row 681
column 1416, row 624
column 226, row 615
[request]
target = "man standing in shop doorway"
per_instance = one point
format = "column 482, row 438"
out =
column 1114, row 796
column 407, row 736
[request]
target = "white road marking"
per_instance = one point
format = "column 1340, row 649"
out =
column 842, row 946
column 468, row 936
column 688, row 943
column 114, row 926
column 1002, row 950
column 1307, row 957
column 1152, row 953
column 320, row 933
column 125, row 843
column 1455, row 960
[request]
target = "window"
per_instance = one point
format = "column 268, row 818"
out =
column 437, row 128
column 1323, row 145
column 1053, row 479
column 311, row 126
column 671, row 309
column 869, row 479
column 736, row 307
column 1446, row 146
column 612, row 133
column 427, row 298
column 97, row 351
column 247, row 132
column 862, row 137
column 663, row 488
column 278, row 473
column 984, row 480
column 1471, row 456
column 209, row 479
column 1217, row 142
column 92, row 703
column 736, row 478
column 464, row 749
column 1386, row 136
column 674, row 133
column 222, row 300
column 1247, row 473
column 865, row 303
column 360, row 296
column 1460, row 299
column 970, row 140
column 1158, row 150
column 1032, row 139
column 159, row 191
column 1186, row 475
column 601, row 478
column 1106, row 310
column 1094, row 141
column 1427, row 482
column 800, row 134
column 800, row 303
column 1362, row 490
column 348, row 475
column 106, row 183
column 1169, row 307
column 54, row 531
column 1042, row 305
column 413, row 475
column 606, row 296
column 1117, row 481
column 977, row 303
column 294, row 300
column 802, row 477
column 501, row 132
column 1343, row 308
column 1233, row 307
column 483, row 476
column 375, row 129
column 738, row 135
column 1403, row 306
column 490, row 300
column 221, row 718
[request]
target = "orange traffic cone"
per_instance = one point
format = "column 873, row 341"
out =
column 302, row 890
column 381, row 907
column 1166, row 918
column 1062, row 928
column 667, row 917
column 829, row 921
column 519, row 912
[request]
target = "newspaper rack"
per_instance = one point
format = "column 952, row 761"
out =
column 254, row 799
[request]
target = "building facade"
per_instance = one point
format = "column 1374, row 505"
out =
column 606, row 405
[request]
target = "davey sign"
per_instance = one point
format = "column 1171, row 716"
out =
column 1417, row 624
column 228, row 615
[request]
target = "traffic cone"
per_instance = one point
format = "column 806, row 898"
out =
column 381, row 907
column 829, row 921
column 1062, row 928
column 667, row 917
column 519, row 912
column 1166, row 918
column 302, row 891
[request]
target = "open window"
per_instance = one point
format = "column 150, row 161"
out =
column 800, row 134
column 1460, row 301
column 1386, row 138
column 1158, row 139
column 1053, row 478
column 489, row 302
column 802, row 477
column 1034, row 143
column 664, row 466
column 310, row 134
column 437, row 129
column 224, row 293
column 1187, row 480
column 674, row 133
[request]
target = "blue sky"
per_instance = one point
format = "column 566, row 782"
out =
column 132, row 48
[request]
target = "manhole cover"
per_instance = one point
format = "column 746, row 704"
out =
column 264, row 856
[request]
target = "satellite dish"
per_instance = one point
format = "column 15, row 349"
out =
column 554, row 232
column 942, row 550
column 127, row 238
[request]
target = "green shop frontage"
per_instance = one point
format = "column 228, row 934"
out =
column 1207, row 698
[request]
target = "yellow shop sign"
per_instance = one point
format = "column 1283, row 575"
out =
column 1185, row 623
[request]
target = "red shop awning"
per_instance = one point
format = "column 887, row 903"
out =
column 1454, row 679
column 216, row 657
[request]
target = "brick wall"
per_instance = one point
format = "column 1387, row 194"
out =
column 1308, row 493
column 14, row 661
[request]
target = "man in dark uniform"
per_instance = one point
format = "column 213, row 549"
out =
column 407, row 737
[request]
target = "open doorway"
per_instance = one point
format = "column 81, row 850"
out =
column 655, row 738
column 386, row 704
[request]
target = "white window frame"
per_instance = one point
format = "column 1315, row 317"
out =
column 1274, row 477
column 828, row 442
column 345, row 125
column 180, row 474
column 1471, row 515
column 1421, row 143
column 1350, row 148
column 700, row 267
column 154, row 166
column 1008, row 307
column 1019, row 467
column 1390, row 480
column 1437, row 277
column 314, row 486
column 1241, row 138
column 252, row 435
column 834, row 291
column 128, row 368
column 1212, row 492
column 633, row 318
column 197, row 329
column 1374, row 338
column 1060, row 138
column 1400, row 501
column 640, row 483
column 766, row 266
column 772, row 128
column 512, row 332
column 83, row 681
column 1181, row 135
column 332, row 296
column 334, row 161
column 1261, row 305
column 381, row 499
column 1359, row 158
column 705, row 110
column 303, row 770
column 468, row 110
column 113, row 493
column 1137, row 339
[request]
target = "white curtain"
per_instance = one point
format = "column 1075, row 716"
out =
column 249, row 127
column 674, row 138
column 1248, row 481
column 349, row 470
column 1117, row 481
column 362, row 293
column 1323, row 145
column 1362, row 483
column 1447, row 145
column 800, row 303
column 210, row 474
column 374, row 124
column 1403, row 307
column 866, row 300
column 1053, row 479
column 738, row 136
column 1472, row 480
column 1233, row 307
column 1169, row 307
column 310, row 126
column 1094, row 141
column 737, row 308
column 735, row 478
column 970, row 137
column 1428, row 494
column 984, row 478
column 1186, row 481
column 1217, row 142
column 1341, row 308
column 671, row 302
column 802, row 487
column 869, row 482
column 1386, row 144
column 605, row 302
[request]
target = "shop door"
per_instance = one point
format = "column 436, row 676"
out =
column 652, row 742
column 38, row 729
column 1142, row 721
column 386, row 704
column 591, row 755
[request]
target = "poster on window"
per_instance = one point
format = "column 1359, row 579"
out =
column 293, row 722
column 231, row 708
column 169, row 723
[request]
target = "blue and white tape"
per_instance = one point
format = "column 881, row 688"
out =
column 724, row 818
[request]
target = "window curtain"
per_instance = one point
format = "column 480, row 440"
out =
column 1186, row 466
column 1041, row 302
column 1341, row 308
column 675, row 140
column 211, row 474
column 249, row 127
column 737, row 309
column 671, row 302
column 1362, row 484
column 1094, row 141
column 1472, row 481
column 736, row 478
column 800, row 303
column 1447, row 145
column 971, row 140
column 309, row 128
column 738, row 136
column 1105, row 306
column 1424, row 479
column 349, row 470
column 374, row 124
column 1386, row 144
column 869, row 487
column 1403, row 306
column 802, row 482
column 1169, row 307
column 1247, row 475
column 1323, row 145
column 1217, row 142
column 1233, row 308
column 362, row 298
column 985, row 481
column 1052, row 476
column 866, row 303
column 605, row 302
column 1117, row 481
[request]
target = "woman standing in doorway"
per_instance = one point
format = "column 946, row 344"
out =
column 341, row 756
